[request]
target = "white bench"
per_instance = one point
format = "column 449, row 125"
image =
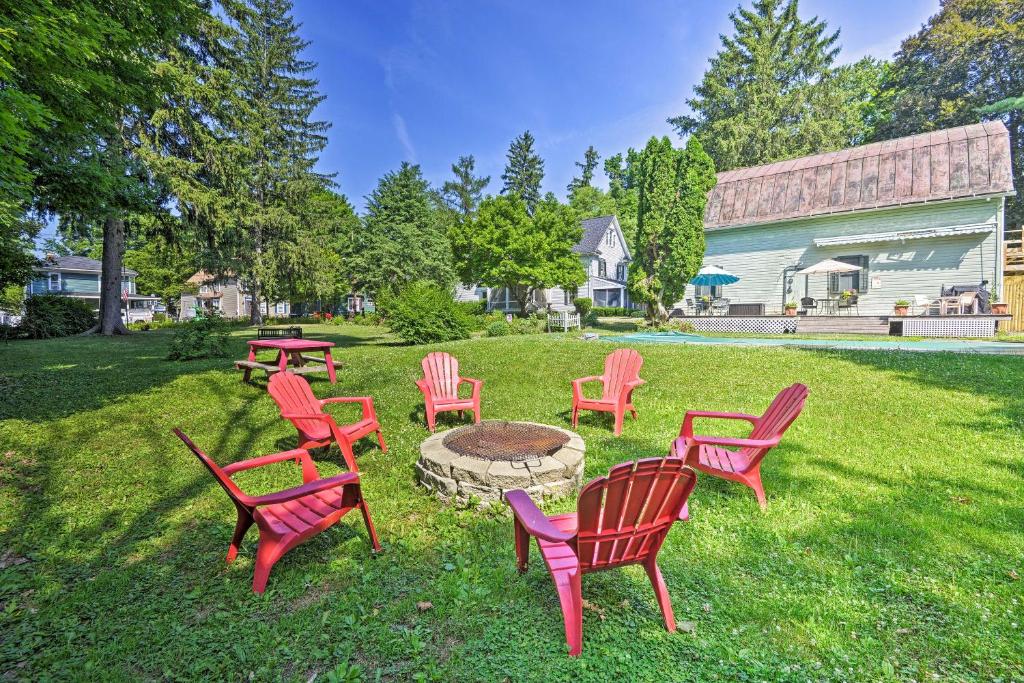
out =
column 563, row 320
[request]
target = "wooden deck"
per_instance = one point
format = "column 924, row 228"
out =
column 939, row 326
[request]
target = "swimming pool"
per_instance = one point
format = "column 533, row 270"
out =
column 949, row 345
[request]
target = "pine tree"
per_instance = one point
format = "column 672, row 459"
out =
column 587, row 168
column 769, row 93
column 669, row 243
column 464, row 193
column 622, row 175
column 524, row 172
column 404, row 235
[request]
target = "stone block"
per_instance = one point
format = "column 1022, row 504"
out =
column 486, row 495
column 509, row 475
column 443, row 486
column 470, row 470
column 546, row 470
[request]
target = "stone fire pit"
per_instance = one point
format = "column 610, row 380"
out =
column 495, row 456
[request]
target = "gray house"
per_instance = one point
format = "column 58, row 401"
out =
column 605, row 257
column 916, row 214
column 225, row 295
column 79, row 277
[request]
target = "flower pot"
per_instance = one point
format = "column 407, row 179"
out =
column 791, row 312
column 900, row 310
column 1000, row 308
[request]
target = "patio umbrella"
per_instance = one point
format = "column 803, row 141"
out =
column 713, row 276
column 828, row 266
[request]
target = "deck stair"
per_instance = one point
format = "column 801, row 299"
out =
column 846, row 324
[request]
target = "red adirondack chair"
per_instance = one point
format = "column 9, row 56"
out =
column 316, row 428
column 286, row 518
column 621, row 519
column 621, row 376
column 440, row 387
column 711, row 454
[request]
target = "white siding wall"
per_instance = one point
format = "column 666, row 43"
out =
column 759, row 254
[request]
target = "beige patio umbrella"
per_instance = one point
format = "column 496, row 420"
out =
column 828, row 266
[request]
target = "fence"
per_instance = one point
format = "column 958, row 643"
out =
column 1013, row 277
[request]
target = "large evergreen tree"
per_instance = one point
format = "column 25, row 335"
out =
column 506, row 246
column 770, row 92
column 524, row 171
column 669, row 243
column 404, row 235
column 969, row 55
column 587, row 168
column 464, row 193
column 77, row 80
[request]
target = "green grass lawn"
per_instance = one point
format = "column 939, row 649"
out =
column 891, row 548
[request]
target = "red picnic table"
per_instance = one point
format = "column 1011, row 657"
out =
column 290, row 352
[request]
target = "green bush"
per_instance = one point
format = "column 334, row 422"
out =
column 473, row 307
column 160, row 317
column 499, row 328
column 583, row 305
column 532, row 325
column 140, row 326
column 50, row 315
column 424, row 313
column 205, row 337
column 366, row 319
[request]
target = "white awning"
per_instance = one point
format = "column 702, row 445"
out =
column 950, row 231
column 605, row 283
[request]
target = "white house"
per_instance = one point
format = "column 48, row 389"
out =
column 605, row 257
column 916, row 214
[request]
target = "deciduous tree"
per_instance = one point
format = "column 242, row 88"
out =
column 505, row 246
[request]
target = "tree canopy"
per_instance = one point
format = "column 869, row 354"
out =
column 770, row 92
column 669, row 243
column 465, row 192
column 587, row 168
column 524, row 171
column 505, row 246
column 404, row 235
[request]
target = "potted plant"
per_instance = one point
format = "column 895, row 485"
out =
column 790, row 308
column 901, row 306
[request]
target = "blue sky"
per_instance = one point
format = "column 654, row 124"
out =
column 426, row 81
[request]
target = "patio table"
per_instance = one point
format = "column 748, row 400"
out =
column 290, row 352
column 829, row 306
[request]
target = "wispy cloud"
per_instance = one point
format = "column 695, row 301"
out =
column 402, row 133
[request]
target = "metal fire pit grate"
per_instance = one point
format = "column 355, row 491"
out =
column 507, row 441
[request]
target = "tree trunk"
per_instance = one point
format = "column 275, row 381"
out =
column 527, row 291
column 110, row 279
column 255, row 314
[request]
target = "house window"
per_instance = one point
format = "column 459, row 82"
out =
column 204, row 289
column 620, row 271
column 602, row 268
column 609, row 238
column 857, row 280
column 714, row 291
column 54, row 282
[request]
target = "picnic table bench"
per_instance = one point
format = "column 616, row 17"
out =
column 293, row 332
column 290, row 353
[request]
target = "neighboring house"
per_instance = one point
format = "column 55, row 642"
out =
column 225, row 295
column 79, row 277
column 915, row 213
column 605, row 257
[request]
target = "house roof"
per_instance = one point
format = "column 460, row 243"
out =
column 76, row 264
column 946, row 164
column 202, row 277
column 593, row 231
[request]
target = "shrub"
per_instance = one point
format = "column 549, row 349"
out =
column 50, row 315
column 532, row 325
column 140, row 326
column 424, row 313
column 609, row 311
column 583, row 305
column 205, row 337
column 473, row 307
column 159, row 317
column 499, row 328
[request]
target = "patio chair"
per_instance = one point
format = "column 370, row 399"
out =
column 850, row 304
column 720, row 306
column 809, row 304
column 440, row 387
column 691, row 307
column 316, row 428
column 621, row 376
column 286, row 518
column 621, row 519
column 711, row 454
column 925, row 304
